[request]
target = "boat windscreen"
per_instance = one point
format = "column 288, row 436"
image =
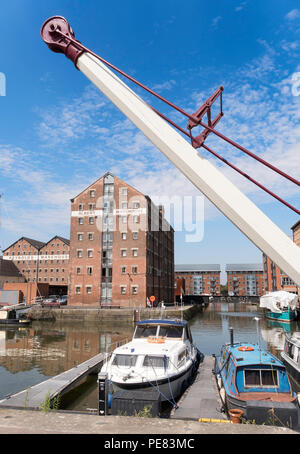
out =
column 171, row 331
column 145, row 331
column 124, row 360
column 155, row 361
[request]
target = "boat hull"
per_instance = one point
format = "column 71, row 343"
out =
column 284, row 317
column 292, row 369
column 15, row 322
column 266, row 412
column 169, row 388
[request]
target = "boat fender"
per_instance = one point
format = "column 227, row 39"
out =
column 246, row 348
column 219, row 381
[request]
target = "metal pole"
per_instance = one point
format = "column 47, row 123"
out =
column 243, row 213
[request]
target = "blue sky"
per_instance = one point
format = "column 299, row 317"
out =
column 59, row 134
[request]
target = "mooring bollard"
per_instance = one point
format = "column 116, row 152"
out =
column 102, row 394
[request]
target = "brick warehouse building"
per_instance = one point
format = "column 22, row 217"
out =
column 245, row 279
column 275, row 278
column 121, row 247
column 40, row 262
column 199, row 279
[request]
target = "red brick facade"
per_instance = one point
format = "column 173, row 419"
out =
column 116, row 257
column 199, row 279
column 46, row 263
column 245, row 280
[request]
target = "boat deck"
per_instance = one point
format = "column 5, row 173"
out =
column 33, row 397
column 201, row 400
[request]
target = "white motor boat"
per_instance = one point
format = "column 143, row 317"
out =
column 161, row 355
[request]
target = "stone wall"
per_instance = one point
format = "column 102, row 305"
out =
column 98, row 315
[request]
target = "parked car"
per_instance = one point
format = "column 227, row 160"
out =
column 51, row 301
column 62, row 300
column 51, row 304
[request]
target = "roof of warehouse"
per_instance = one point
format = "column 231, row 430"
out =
column 244, row 267
column 8, row 268
column 197, row 267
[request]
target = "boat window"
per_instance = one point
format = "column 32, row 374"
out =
column 155, row 361
column 294, row 353
column 181, row 357
column 288, row 348
column 171, row 331
column 143, row 331
column 124, row 360
column 260, row 378
column 189, row 334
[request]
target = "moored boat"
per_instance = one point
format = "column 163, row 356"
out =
column 14, row 315
column 291, row 356
column 160, row 356
column 280, row 306
column 256, row 382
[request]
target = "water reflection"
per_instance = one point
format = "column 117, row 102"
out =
column 46, row 349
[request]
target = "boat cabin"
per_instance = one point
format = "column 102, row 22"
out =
column 7, row 314
column 156, row 344
column 248, row 369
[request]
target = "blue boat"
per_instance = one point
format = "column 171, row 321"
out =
column 255, row 382
column 280, row 306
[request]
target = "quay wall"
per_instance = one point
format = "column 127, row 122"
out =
column 38, row 422
column 95, row 314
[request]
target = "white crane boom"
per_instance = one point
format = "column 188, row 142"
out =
column 241, row 211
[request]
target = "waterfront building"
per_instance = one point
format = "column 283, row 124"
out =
column 121, row 247
column 179, row 287
column 275, row 278
column 296, row 238
column 200, row 279
column 41, row 262
column 245, row 279
column 296, row 233
column 9, row 272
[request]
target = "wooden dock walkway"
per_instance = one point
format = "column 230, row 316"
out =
column 201, row 400
column 33, row 397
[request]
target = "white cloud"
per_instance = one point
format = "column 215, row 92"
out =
column 168, row 85
column 216, row 20
column 293, row 14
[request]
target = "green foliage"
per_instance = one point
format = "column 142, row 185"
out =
column 145, row 413
column 224, row 290
column 47, row 405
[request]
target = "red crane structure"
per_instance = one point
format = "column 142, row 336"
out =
column 242, row 212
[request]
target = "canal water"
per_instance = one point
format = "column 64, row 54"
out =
column 30, row 355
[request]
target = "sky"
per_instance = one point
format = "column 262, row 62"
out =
column 59, row 133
